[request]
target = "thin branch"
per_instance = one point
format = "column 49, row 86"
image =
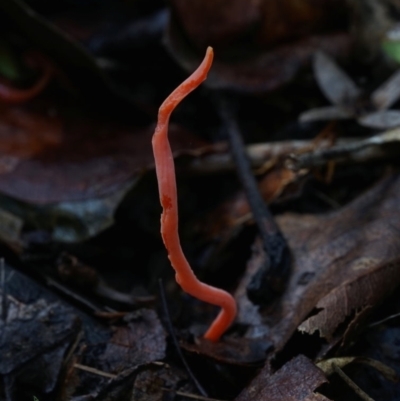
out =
column 219, row 159
column 364, row 150
column 94, row 371
column 362, row 394
column 384, row 320
column 269, row 280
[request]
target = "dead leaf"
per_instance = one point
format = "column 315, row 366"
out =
column 279, row 183
column 351, row 297
column 32, row 330
column 62, row 157
column 350, row 101
column 297, row 380
column 221, row 23
column 259, row 72
column 152, row 384
column 141, row 341
column 356, row 246
column 259, row 46
column 35, row 336
column 334, row 83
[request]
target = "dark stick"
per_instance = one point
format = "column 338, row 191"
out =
column 271, row 278
column 176, row 343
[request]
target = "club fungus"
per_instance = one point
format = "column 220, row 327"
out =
column 165, row 170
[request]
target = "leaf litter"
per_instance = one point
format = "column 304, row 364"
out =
column 349, row 252
column 80, row 316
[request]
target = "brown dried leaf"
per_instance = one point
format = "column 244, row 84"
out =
column 260, row 71
column 69, row 156
column 348, row 250
column 278, row 183
column 226, row 20
column 338, row 248
column 268, row 22
column 259, row 45
column 352, row 296
column 141, row 341
column 152, row 383
column 295, row 381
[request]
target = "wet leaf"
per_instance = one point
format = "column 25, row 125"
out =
column 335, row 84
column 333, row 253
column 68, row 172
column 297, row 380
column 352, row 296
column 68, row 157
column 31, row 330
column 325, row 113
column 254, row 52
column 35, row 335
column 221, row 23
column 140, row 341
column 39, row 330
column 154, row 383
column 350, row 101
column 381, row 119
column 388, row 93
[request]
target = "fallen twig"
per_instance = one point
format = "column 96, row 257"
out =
column 271, row 278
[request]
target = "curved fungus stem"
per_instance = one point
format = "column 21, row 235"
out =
column 165, row 170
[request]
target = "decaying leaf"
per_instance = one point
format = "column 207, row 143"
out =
column 350, row 101
column 297, row 380
column 259, row 46
column 352, row 297
column 277, row 182
column 155, row 382
column 267, row 22
column 335, row 84
column 354, row 248
column 38, row 331
column 35, row 336
column 67, row 172
column 72, row 157
column 140, row 341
